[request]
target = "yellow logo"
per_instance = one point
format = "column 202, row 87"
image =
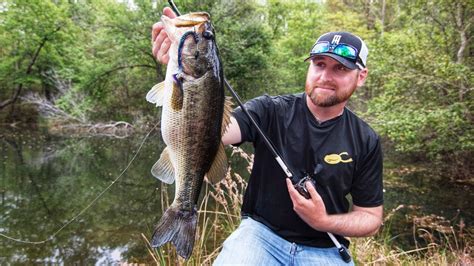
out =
column 337, row 158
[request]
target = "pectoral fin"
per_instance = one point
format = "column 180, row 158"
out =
column 177, row 95
column 163, row 168
column 156, row 94
column 219, row 166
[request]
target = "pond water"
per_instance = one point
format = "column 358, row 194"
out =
column 46, row 180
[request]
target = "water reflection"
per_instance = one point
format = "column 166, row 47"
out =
column 426, row 195
column 47, row 180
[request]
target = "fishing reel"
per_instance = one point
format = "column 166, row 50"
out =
column 300, row 186
column 299, row 182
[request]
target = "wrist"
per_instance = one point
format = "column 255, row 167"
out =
column 323, row 223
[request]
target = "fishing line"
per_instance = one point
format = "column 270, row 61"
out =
column 89, row 205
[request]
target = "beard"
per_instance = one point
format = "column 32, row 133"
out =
column 340, row 95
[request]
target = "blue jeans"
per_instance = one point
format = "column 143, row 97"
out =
column 255, row 244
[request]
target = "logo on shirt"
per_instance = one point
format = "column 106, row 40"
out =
column 342, row 157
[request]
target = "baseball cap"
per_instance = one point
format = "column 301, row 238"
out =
column 347, row 48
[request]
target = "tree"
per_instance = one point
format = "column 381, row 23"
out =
column 33, row 40
column 421, row 86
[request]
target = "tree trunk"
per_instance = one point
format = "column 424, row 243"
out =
column 382, row 18
column 369, row 15
column 462, row 28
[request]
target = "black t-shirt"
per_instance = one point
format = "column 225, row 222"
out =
column 347, row 148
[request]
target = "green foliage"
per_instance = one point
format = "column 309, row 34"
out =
column 34, row 39
column 244, row 44
column 421, row 98
column 296, row 26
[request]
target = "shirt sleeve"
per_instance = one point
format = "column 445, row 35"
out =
column 259, row 109
column 367, row 189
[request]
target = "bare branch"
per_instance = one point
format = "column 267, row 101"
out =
column 120, row 129
column 48, row 109
column 115, row 69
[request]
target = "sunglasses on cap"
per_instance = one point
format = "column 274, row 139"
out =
column 342, row 49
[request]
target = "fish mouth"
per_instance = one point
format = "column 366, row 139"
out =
column 191, row 19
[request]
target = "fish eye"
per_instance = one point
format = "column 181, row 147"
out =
column 208, row 34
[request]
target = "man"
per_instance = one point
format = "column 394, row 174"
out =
column 315, row 134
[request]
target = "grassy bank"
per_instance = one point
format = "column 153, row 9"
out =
column 437, row 241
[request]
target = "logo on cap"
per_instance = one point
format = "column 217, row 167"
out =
column 336, row 39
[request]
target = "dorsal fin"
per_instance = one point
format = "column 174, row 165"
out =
column 228, row 107
column 218, row 168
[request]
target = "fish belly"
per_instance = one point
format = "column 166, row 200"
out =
column 193, row 135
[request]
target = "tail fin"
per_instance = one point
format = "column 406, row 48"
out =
column 179, row 227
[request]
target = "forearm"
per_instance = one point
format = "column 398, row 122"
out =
column 361, row 221
column 232, row 134
column 357, row 223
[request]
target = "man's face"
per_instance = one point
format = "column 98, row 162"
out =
column 329, row 82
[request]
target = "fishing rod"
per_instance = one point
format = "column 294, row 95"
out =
column 299, row 185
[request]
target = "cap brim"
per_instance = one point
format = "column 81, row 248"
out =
column 340, row 59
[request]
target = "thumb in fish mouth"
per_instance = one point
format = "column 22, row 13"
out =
column 172, row 32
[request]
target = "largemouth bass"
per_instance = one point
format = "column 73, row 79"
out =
column 194, row 117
